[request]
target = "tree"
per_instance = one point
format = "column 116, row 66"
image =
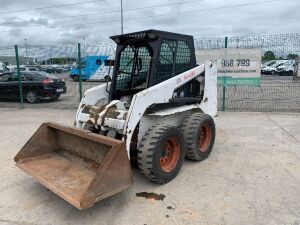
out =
column 269, row 55
column 292, row 56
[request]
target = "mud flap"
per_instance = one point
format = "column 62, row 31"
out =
column 79, row 166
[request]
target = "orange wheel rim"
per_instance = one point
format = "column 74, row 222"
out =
column 170, row 155
column 204, row 137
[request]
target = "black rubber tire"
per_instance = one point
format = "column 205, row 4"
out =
column 191, row 127
column 31, row 96
column 76, row 78
column 107, row 78
column 150, row 153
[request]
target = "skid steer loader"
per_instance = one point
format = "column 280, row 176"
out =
column 157, row 109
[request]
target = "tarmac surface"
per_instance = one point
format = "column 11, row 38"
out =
column 251, row 177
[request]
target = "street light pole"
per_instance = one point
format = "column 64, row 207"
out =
column 121, row 16
column 26, row 50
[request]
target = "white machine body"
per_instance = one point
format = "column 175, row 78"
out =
column 127, row 118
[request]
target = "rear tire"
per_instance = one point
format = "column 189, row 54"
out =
column 161, row 153
column 199, row 133
column 107, row 78
column 31, row 97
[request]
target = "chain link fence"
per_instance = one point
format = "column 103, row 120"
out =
column 44, row 74
column 55, row 62
column 277, row 92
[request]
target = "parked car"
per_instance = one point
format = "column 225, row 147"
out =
column 52, row 69
column 67, row 68
column 36, row 86
column 3, row 68
column 271, row 69
column 27, row 69
column 287, row 68
column 268, row 63
column 11, row 68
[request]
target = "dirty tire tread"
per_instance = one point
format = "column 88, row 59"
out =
column 189, row 129
column 148, row 152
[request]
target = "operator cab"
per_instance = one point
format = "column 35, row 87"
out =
column 146, row 58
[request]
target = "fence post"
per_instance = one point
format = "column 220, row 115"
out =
column 79, row 72
column 19, row 77
column 296, row 68
column 224, row 82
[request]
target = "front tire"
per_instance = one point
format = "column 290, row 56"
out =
column 76, row 78
column 161, row 153
column 107, row 78
column 199, row 133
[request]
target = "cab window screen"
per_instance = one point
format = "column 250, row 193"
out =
column 183, row 57
column 166, row 60
column 133, row 68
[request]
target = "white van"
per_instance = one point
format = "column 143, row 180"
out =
column 271, row 69
column 287, row 68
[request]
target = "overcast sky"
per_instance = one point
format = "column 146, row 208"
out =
column 199, row 18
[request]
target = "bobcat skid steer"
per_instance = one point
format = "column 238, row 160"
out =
column 157, row 109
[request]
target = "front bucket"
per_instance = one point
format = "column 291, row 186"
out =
column 79, row 166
